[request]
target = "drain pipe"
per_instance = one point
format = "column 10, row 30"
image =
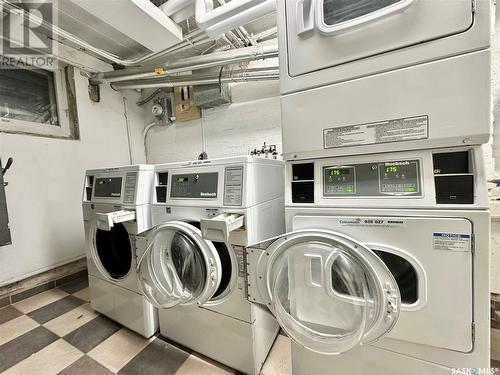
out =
column 194, row 63
column 235, row 76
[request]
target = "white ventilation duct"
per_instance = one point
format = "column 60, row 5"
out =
column 178, row 10
column 231, row 15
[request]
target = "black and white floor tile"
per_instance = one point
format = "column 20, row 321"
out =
column 57, row 332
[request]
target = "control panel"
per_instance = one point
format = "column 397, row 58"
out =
column 397, row 178
column 108, row 187
column 194, row 185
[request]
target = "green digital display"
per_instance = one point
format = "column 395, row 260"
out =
column 391, row 169
column 338, row 172
column 182, row 179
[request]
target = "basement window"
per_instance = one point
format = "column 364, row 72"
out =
column 35, row 101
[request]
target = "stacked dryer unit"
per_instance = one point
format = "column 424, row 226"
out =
column 192, row 263
column 116, row 207
column 385, row 265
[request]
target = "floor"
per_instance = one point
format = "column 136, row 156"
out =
column 56, row 332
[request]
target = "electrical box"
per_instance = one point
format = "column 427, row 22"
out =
column 5, row 238
column 185, row 107
column 210, row 96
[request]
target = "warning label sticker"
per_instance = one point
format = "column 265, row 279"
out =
column 397, row 130
column 452, row 241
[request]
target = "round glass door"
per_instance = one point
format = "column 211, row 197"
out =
column 178, row 266
column 329, row 292
column 112, row 251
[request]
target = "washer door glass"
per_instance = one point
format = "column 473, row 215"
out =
column 329, row 292
column 112, row 251
column 178, row 267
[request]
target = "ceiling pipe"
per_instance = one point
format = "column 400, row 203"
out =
column 189, row 64
column 234, row 76
column 230, row 15
column 197, row 36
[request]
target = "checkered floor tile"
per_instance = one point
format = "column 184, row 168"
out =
column 57, row 332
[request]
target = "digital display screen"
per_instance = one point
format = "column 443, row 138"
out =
column 399, row 177
column 339, row 181
column 109, row 187
column 339, row 172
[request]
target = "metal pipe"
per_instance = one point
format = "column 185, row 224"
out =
column 62, row 34
column 189, row 64
column 246, row 75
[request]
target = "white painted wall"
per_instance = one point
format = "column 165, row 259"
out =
column 495, row 205
column 45, row 181
column 252, row 118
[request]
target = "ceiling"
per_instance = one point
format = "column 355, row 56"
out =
column 89, row 28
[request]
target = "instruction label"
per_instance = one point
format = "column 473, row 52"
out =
column 242, row 263
column 396, row 130
column 233, row 186
column 130, row 186
column 452, row 241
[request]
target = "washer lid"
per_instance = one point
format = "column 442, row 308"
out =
column 329, row 292
column 178, row 267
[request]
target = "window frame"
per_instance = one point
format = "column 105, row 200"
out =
column 65, row 128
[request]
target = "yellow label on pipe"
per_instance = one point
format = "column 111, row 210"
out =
column 159, row 71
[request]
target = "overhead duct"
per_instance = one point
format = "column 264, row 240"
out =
column 189, row 64
column 230, row 76
column 103, row 18
column 230, row 15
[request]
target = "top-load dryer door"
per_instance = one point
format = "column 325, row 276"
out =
column 178, row 266
column 329, row 292
column 327, row 33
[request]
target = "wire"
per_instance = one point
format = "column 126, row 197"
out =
column 125, row 113
column 149, row 98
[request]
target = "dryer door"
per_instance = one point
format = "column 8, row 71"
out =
column 326, row 33
column 178, row 266
column 329, row 292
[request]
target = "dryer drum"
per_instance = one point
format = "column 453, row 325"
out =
column 225, row 259
column 114, row 250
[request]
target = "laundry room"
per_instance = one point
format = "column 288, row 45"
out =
column 286, row 187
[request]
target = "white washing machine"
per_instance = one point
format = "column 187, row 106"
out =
column 199, row 285
column 116, row 207
column 370, row 76
column 385, row 266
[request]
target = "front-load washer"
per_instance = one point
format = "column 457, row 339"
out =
column 384, row 268
column 370, row 76
column 116, row 207
column 200, row 285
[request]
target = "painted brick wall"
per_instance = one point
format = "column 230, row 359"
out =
column 252, row 118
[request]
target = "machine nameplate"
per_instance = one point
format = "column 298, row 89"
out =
column 395, row 130
column 233, row 186
column 194, row 185
column 372, row 221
